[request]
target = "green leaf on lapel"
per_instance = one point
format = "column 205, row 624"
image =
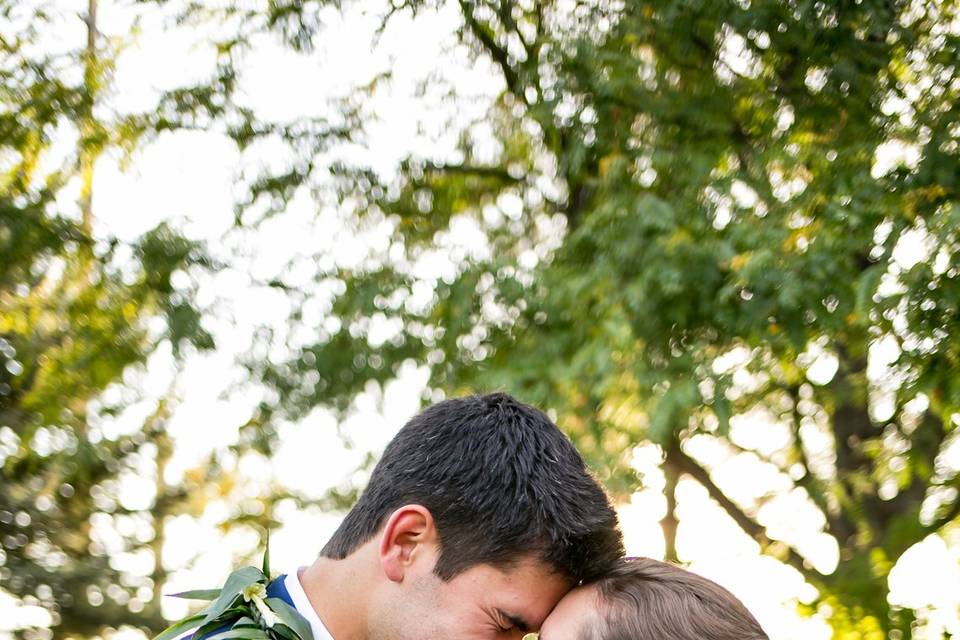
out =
column 198, row 594
column 266, row 558
column 243, row 633
column 239, row 579
column 291, row 617
column 178, row 628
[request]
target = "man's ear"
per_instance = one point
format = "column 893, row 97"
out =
column 405, row 538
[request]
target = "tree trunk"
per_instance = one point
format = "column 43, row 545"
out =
column 669, row 523
column 87, row 127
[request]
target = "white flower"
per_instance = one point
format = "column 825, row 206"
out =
column 255, row 593
column 255, row 590
column 269, row 617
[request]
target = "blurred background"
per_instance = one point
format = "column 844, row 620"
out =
column 241, row 242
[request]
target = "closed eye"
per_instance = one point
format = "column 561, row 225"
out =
column 516, row 622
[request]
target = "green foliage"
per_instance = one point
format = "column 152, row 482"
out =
column 78, row 313
column 81, row 312
column 71, row 324
column 688, row 203
column 705, row 207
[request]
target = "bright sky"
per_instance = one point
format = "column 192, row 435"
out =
column 188, row 178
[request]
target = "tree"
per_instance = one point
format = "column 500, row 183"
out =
column 691, row 213
column 74, row 317
column 694, row 211
column 81, row 312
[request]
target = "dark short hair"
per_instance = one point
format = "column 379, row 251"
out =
column 502, row 483
column 645, row 599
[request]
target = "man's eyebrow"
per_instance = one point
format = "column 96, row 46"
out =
column 516, row 621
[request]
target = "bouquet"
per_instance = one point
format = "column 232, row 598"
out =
column 242, row 610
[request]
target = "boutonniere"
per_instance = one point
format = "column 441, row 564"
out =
column 242, row 610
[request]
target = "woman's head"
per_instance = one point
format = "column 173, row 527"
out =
column 644, row 599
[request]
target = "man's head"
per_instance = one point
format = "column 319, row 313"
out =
column 644, row 599
column 479, row 516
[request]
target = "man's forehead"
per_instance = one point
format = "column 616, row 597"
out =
column 527, row 592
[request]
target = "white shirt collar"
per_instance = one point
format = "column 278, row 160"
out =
column 302, row 604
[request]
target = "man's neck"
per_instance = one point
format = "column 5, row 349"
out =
column 338, row 593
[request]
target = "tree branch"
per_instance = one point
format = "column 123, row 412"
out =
column 808, row 482
column 496, row 52
column 838, row 525
column 952, row 513
column 948, row 516
column 926, row 442
column 485, row 172
column 852, row 429
column 691, row 467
